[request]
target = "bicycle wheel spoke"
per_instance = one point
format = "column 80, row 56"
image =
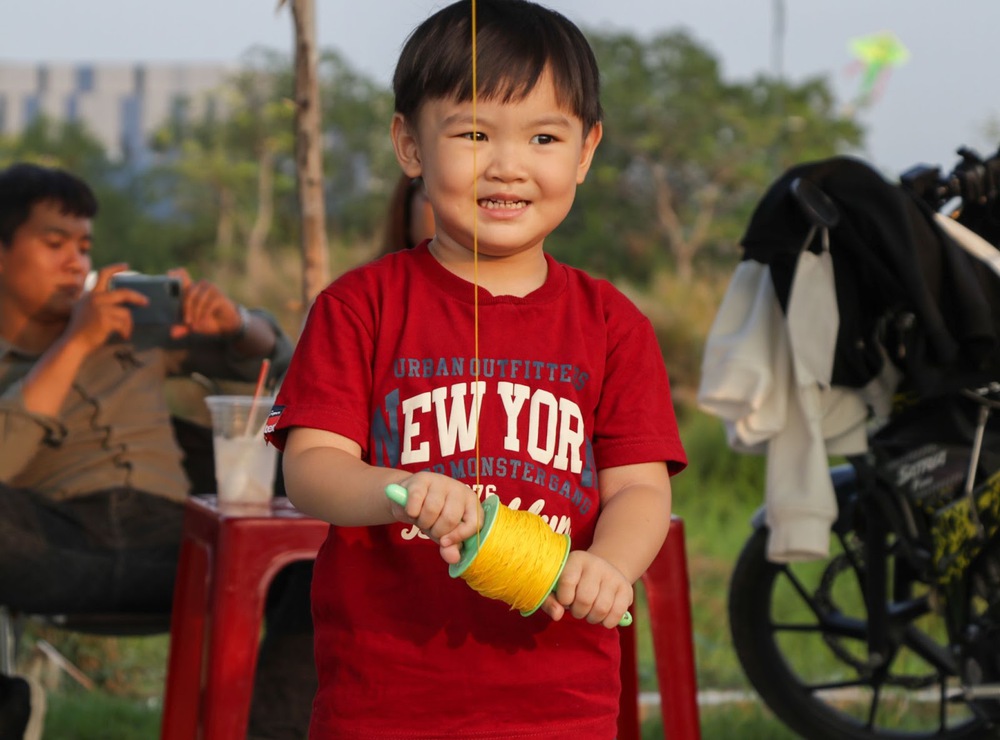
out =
column 942, row 705
column 873, row 707
column 800, row 589
column 790, row 627
column 923, row 645
column 814, row 688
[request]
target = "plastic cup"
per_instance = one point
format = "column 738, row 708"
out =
column 244, row 462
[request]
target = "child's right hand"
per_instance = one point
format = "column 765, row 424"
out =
column 444, row 509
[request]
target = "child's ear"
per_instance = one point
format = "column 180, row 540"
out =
column 404, row 141
column 590, row 142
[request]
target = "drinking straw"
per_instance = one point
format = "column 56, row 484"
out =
column 265, row 366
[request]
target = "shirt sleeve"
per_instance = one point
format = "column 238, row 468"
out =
column 22, row 433
column 635, row 416
column 329, row 381
column 217, row 358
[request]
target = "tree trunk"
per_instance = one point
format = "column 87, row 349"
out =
column 683, row 247
column 256, row 257
column 225, row 228
column 309, row 154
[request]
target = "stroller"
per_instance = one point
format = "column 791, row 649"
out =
column 865, row 604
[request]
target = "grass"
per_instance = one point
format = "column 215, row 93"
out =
column 716, row 497
column 101, row 716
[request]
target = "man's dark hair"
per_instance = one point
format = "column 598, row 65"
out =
column 515, row 41
column 22, row 185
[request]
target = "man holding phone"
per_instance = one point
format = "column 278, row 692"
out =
column 92, row 483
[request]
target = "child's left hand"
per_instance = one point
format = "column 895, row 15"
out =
column 590, row 588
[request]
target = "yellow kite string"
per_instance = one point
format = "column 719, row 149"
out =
column 521, row 559
column 475, row 243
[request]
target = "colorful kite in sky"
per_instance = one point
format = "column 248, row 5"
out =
column 875, row 56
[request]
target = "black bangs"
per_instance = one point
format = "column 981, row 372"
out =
column 515, row 43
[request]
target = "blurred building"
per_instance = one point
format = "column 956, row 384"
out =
column 120, row 104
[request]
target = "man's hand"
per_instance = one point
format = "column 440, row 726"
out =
column 103, row 312
column 205, row 309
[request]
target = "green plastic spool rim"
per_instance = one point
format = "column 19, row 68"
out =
column 470, row 548
column 552, row 586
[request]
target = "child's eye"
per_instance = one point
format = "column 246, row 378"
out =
column 474, row 136
column 543, row 139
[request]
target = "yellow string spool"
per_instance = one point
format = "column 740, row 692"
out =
column 515, row 557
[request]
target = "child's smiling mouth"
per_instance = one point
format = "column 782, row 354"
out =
column 506, row 205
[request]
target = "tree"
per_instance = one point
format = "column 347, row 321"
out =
column 308, row 153
column 686, row 154
column 261, row 123
column 126, row 229
column 229, row 164
column 238, row 165
column 360, row 164
column 57, row 143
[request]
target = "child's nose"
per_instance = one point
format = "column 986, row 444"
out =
column 506, row 164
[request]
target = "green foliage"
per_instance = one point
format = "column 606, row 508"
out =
column 221, row 175
column 716, row 497
column 57, row 144
column 360, row 165
column 80, row 716
column 715, row 468
column 125, row 230
column 210, row 171
column 687, row 154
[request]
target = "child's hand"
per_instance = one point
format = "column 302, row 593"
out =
column 590, row 588
column 445, row 510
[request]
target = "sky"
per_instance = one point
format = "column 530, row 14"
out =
column 936, row 102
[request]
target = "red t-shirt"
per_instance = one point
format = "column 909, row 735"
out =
column 572, row 381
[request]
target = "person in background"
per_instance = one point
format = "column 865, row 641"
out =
column 92, row 484
column 410, row 218
column 474, row 365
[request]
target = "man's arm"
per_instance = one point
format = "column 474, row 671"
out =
column 224, row 339
column 96, row 316
column 206, row 310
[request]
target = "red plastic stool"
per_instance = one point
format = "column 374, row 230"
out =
column 669, row 598
column 229, row 556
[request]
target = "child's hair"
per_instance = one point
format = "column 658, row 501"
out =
column 516, row 41
column 23, row 185
column 401, row 215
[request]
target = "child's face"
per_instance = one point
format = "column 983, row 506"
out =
column 528, row 158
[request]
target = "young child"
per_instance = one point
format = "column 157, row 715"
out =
column 575, row 421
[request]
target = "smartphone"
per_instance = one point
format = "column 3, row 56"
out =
column 163, row 291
